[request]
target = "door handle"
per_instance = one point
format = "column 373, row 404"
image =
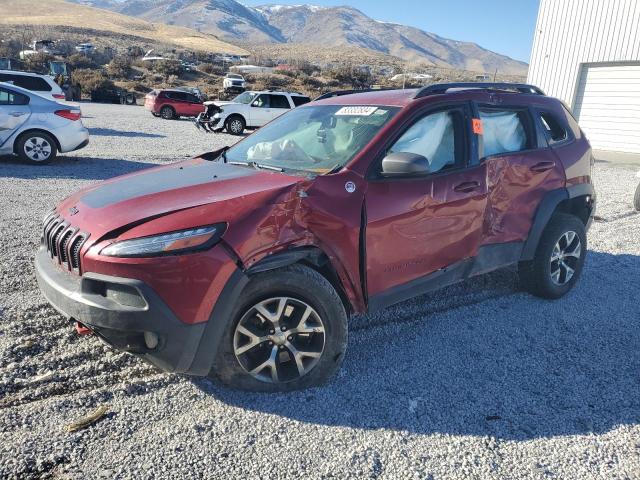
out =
column 543, row 166
column 17, row 114
column 467, row 187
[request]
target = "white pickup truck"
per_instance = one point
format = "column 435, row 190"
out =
column 249, row 110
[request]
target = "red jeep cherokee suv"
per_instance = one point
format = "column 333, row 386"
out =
column 245, row 264
column 170, row 104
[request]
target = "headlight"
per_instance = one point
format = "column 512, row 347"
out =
column 167, row 244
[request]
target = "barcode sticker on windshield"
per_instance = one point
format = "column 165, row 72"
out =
column 358, row 110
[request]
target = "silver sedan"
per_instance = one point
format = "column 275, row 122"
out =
column 36, row 128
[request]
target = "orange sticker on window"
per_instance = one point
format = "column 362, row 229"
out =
column 477, row 126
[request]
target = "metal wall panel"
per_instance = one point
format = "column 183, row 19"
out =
column 571, row 33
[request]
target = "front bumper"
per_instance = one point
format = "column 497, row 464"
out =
column 120, row 311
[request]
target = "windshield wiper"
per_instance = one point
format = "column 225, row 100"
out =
column 257, row 166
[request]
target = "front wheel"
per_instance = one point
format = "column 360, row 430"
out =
column 235, row 125
column 288, row 333
column 558, row 260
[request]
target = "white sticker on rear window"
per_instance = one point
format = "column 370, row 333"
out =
column 357, row 110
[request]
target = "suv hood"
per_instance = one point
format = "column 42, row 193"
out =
column 223, row 191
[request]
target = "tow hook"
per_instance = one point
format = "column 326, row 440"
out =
column 82, row 330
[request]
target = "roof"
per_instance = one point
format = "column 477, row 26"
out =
column 394, row 98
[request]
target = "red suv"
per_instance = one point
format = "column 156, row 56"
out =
column 245, row 264
column 170, row 104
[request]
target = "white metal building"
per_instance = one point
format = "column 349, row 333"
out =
column 587, row 53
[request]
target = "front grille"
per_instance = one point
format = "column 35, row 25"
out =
column 63, row 241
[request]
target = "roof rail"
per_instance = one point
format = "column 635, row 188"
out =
column 340, row 93
column 444, row 87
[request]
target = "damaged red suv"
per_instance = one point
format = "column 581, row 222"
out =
column 245, row 264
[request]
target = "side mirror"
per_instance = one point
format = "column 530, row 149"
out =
column 405, row 163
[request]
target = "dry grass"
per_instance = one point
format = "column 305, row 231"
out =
column 58, row 13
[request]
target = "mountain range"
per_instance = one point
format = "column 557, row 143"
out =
column 326, row 27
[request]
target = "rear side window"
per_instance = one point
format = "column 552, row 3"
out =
column 297, row 101
column 505, row 131
column 553, row 128
column 12, row 98
column 27, row 82
column 279, row 101
column 437, row 137
column 573, row 123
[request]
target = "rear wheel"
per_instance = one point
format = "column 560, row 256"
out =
column 558, row 260
column 168, row 113
column 235, row 125
column 636, row 199
column 290, row 332
column 36, row 147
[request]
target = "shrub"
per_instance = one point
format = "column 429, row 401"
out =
column 78, row 60
column 166, row 67
column 211, row 69
column 89, row 79
column 119, row 67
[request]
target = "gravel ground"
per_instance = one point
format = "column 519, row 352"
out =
column 477, row 381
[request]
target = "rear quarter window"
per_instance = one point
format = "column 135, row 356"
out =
column 297, row 101
column 554, row 128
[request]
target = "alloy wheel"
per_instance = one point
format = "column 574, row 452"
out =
column 37, row 149
column 565, row 258
column 279, row 340
column 235, row 126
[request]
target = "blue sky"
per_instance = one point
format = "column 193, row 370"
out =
column 504, row 26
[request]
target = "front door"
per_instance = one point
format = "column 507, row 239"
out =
column 260, row 113
column 14, row 111
column 418, row 225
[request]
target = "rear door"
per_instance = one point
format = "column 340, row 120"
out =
column 14, row 111
column 279, row 105
column 521, row 169
column 417, row 225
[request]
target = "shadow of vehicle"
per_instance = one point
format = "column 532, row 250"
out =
column 82, row 168
column 109, row 132
column 482, row 358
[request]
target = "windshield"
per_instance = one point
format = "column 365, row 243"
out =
column 316, row 139
column 245, row 98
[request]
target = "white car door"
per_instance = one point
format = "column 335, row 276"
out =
column 14, row 111
column 260, row 111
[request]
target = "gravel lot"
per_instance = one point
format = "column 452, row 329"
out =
column 477, row 381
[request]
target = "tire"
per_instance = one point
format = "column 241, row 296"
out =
column 564, row 236
column 235, row 125
column 37, row 148
column 304, row 292
column 130, row 99
column 636, row 198
column 168, row 113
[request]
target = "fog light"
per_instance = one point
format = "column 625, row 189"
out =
column 150, row 340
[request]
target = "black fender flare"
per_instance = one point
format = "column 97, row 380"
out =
column 546, row 209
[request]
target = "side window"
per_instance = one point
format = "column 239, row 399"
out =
column 505, row 131
column 279, row 101
column 262, row 101
column 35, row 84
column 192, row 98
column 12, row 98
column 553, row 129
column 438, row 137
column 297, row 101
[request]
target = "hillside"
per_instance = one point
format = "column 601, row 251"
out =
column 58, row 13
column 339, row 28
